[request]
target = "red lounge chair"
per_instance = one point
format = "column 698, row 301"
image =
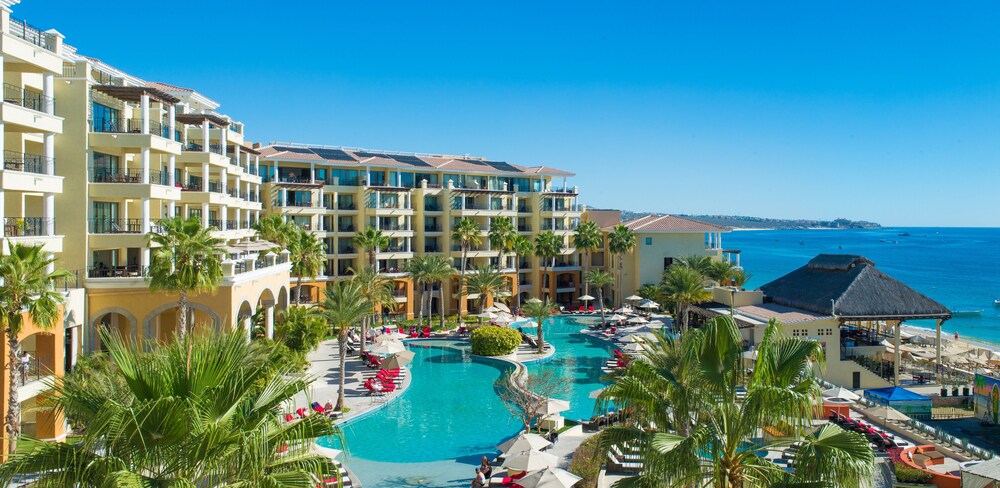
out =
column 301, row 412
column 582, row 308
column 508, row 480
column 590, row 309
column 289, row 418
column 426, row 333
column 282, row 449
column 413, row 332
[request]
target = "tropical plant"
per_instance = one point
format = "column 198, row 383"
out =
column 344, row 305
column 706, row 436
column 487, row 282
column 373, row 241
column 547, row 246
column 599, row 279
column 27, row 293
column 621, row 241
column 468, row 235
column 721, row 272
column 378, row 292
column 740, row 278
column 501, row 234
column 277, row 229
column 208, row 418
column 539, row 310
column 587, row 239
column 494, row 341
column 650, row 291
column 186, row 260
column 521, row 246
column 684, row 286
column 301, row 329
column 307, row 254
column 427, row 271
column 701, row 264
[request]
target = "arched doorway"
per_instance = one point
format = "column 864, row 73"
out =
column 113, row 320
column 244, row 319
column 309, row 294
column 162, row 324
column 264, row 313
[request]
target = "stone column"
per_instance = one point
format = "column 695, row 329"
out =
column 145, row 165
column 144, row 107
column 48, row 89
column 172, row 127
column 171, row 169
column 204, row 136
column 269, row 319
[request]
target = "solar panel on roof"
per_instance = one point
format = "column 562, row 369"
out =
column 333, row 154
column 475, row 161
column 411, row 160
column 502, row 166
column 297, row 150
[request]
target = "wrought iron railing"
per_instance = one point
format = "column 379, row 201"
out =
column 30, row 33
column 30, row 163
column 26, row 226
column 119, row 226
column 127, row 271
column 26, row 98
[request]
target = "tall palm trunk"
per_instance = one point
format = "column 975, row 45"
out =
column 541, row 337
column 517, row 281
column 342, row 343
column 441, row 304
column 13, row 404
column 420, row 314
column 298, row 291
column 461, row 283
column 364, row 333
column 618, row 292
column 182, row 320
column 600, row 301
column 586, row 269
column 371, row 259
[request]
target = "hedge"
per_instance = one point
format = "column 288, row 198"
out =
column 491, row 340
column 906, row 474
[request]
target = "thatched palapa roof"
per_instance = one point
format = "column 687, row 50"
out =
column 851, row 287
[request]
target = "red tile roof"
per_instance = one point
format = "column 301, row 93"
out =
column 670, row 223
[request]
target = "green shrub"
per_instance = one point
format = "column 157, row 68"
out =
column 494, row 341
column 906, row 474
column 586, row 461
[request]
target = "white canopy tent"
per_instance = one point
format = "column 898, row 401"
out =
column 983, row 475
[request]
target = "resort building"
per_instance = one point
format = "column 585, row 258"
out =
column 847, row 304
column 133, row 153
column 415, row 200
column 29, row 189
column 660, row 240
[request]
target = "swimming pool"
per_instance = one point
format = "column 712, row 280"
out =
column 436, row 432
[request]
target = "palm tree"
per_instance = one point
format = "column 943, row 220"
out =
column 704, row 437
column 702, row 264
column 684, row 286
column 417, row 269
column 373, row 241
column 377, row 291
column 599, row 279
column 501, row 235
column 721, row 272
column 186, row 261
column 276, row 229
column 621, row 240
column 468, row 235
column 438, row 271
column 487, row 282
column 345, row 304
column 547, row 246
column 27, row 291
column 307, row 254
column 740, row 278
column 521, row 246
column 587, row 239
column 161, row 422
column 539, row 311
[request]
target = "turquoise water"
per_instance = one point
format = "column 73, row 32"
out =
column 435, row 434
column 958, row 267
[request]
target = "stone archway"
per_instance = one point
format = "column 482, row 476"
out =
column 244, row 319
column 265, row 304
column 161, row 324
column 113, row 318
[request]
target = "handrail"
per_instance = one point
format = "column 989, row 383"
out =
column 29, row 163
column 30, row 33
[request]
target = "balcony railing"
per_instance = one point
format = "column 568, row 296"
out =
column 524, row 228
column 393, row 227
column 128, row 271
column 524, row 208
column 29, row 163
column 129, row 126
column 432, row 249
column 26, row 98
column 295, row 204
column 232, row 224
column 233, row 192
column 192, row 186
column 26, row 226
column 345, row 228
column 119, row 226
column 106, row 175
column 346, row 206
column 217, row 223
column 233, row 160
column 347, row 250
column 432, row 228
column 251, row 197
column 30, row 33
column 214, row 187
column 432, row 208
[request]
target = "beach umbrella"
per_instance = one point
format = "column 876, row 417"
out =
column 492, row 309
column 632, row 348
column 392, row 363
column 523, row 442
column 392, row 336
column 637, row 320
column 552, row 406
column 487, row 315
column 549, row 478
column 387, row 347
column 501, row 307
column 616, row 317
column 633, row 298
column 841, row 392
column 503, row 320
column 586, row 298
column 529, row 461
column 639, row 337
column 648, row 304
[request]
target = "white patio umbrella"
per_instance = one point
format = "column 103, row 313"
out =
column 639, row 337
column 552, row 406
column 586, row 298
column 637, row 320
column 596, row 393
column 549, row 478
column 632, row 348
column 648, row 304
column 523, row 442
column 492, row 309
column 841, row 392
column 529, row 461
column 503, row 320
column 616, row 318
column 387, row 347
column 633, row 298
column 487, row 315
column 623, row 310
column 392, row 336
column 501, row 307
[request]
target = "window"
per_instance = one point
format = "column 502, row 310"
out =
column 667, row 262
column 105, row 118
column 105, row 166
column 649, row 241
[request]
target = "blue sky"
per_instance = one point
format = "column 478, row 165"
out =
column 885, row 111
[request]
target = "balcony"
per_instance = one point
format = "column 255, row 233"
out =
column 548, row 207
column 129, row 271
column 347, row 250
column 133, row 176
column 432, row 208
column 212, row 148
column 297, row 204
column 432, row 228
column 130, row 126
column 524, row 208
column 346, row 206
column 345, row 228
column 523, row 228
column 26, row 226
column 27, row 98
column 394, row 227
column 30, row 33
column 28, row 163
column 120, row 226
column 217, row 223
column 191, row 186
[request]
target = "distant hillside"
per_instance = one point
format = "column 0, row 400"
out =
column 745, row 222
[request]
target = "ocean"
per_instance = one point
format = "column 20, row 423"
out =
column 958, row 267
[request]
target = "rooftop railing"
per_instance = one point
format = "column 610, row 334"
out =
column 29, row 163
column 30, row 33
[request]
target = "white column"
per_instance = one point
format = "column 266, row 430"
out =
column 144, row 107
column 204, row 177
column 171, row 169
column 275, row 171
column 145, row 165
column 48, row 89
column 172, row 124
column 49, row 146
column 2, row 202
column 224, row 175
column 269, row 321
column 223, row 213
column 171, row 209
column 145, row 228
column 204, row 135
column 222, row 140
column 237, row 215
column 74, row 344
column 204, row 215
column 236, row 154
column 312, row 172
column 256, row 164
column 248, row 327
column 50, row 214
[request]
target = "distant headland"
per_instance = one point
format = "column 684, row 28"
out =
column 747, row 222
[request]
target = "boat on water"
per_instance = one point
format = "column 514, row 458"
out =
column 904, row 234
column 966, row 312
column 996, row 302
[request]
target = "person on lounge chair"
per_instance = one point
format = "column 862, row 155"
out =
column 480, row 480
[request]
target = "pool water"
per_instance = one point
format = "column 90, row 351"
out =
column 435, row 434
